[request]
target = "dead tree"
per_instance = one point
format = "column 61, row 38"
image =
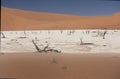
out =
column 37, row 48
column 45, row 48
column 104, row 33
column 54, row 50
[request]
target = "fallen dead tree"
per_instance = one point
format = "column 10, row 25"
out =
column 45, row 49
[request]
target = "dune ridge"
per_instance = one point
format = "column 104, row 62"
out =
column 15, row 19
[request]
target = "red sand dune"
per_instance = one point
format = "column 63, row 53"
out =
column 14, row 19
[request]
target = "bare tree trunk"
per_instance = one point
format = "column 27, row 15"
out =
column 37, row 48
column 105, row 32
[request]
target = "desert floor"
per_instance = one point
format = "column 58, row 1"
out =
column 67, row 41
column 59, row 66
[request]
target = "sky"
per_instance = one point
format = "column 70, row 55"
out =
column 74, row 7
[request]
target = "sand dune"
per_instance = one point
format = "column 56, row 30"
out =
column 15, row 19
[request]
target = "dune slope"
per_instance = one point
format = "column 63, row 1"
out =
column 15, row 19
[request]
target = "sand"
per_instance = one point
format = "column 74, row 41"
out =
column 59, row 66
column 52, row 65
column 15, row 19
